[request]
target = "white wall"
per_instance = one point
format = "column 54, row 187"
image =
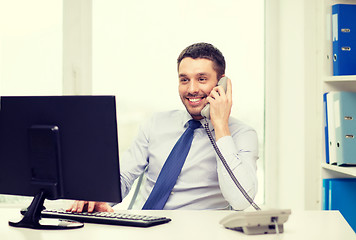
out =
column 291, row 106
column 291, row 114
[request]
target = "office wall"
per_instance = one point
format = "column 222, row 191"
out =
column 291, row 120
column 291, row 113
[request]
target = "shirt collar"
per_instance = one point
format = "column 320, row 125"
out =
column 186, row 117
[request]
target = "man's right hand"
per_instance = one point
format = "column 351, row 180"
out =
column 89, row 206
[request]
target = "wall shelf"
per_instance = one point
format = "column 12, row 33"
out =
column 335, row 79
column 351, row 171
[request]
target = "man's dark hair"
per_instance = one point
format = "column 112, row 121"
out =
column 207, row 51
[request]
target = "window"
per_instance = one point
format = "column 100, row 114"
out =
column 30, row 47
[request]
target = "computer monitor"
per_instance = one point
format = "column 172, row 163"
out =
column 58, row 147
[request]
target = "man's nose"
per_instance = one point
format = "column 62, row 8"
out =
column 193, row 87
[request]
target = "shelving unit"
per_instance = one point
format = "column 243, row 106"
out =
column 328, row 82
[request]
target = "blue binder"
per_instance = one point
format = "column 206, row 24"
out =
column 330, row 125
column 344, row 39
column 345, row 127
column 326, row 130
column 339, row 194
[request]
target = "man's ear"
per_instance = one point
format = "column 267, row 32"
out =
column 221, row 76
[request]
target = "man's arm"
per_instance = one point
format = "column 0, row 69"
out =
column 241, row 153
column 239, row 149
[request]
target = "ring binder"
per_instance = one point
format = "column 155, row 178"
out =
column 344, row 39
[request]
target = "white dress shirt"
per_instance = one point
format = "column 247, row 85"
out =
column 203, row 183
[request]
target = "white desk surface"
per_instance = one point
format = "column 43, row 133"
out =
column 187, row 225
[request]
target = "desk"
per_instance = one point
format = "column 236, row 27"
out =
column 186, row 225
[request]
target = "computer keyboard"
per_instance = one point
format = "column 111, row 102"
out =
column 113, row 218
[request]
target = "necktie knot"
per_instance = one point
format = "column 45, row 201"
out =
column 193, row 124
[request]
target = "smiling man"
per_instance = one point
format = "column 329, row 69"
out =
column 202, row 181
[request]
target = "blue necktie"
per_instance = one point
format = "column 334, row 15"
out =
column 171, row 169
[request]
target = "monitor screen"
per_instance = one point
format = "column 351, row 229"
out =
column 64, row 147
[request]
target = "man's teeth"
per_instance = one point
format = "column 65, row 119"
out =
column 194, row 99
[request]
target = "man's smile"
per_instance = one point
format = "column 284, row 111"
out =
column 195, row 101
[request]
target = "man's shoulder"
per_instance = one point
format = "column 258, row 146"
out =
column 237, row 125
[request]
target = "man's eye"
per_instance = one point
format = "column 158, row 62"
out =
column 184, row 80
column 202, row 79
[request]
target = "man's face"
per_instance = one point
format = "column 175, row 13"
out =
column 196, row 80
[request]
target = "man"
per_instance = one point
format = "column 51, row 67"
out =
column 203, row 182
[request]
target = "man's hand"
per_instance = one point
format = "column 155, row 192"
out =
column 88, row 206
column 220, row 109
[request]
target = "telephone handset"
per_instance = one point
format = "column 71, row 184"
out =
column 205, row 112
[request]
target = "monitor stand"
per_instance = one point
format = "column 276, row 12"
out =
column 32, row 217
